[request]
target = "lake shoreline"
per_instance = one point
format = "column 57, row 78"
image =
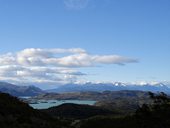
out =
column 45, row 104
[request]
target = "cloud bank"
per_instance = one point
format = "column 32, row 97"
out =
column 52, row 66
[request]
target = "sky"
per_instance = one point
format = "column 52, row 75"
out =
column 51, row 42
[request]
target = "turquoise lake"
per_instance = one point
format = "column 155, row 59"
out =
column 41, row 104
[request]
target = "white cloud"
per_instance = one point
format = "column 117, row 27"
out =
column 52, row 65
column 114, row 59
column 86, row 60
column 76, row 4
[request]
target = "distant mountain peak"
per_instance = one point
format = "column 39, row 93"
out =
column 119, row 84
column 116, row 86
column 17, row 90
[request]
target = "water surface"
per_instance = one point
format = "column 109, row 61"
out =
column 43, row 104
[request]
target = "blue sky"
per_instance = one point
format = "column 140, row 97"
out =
column 137, row 29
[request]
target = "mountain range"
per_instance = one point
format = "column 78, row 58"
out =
column 17, row 90
column 117, row 86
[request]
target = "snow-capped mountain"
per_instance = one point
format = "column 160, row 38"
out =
column 17, row 90
column 154, row 87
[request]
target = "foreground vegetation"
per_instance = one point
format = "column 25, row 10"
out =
column 16, row 114
column 155, row 115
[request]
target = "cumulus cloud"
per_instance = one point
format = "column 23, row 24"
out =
column 86, row 60
column 76, row 4
column 52, row 65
